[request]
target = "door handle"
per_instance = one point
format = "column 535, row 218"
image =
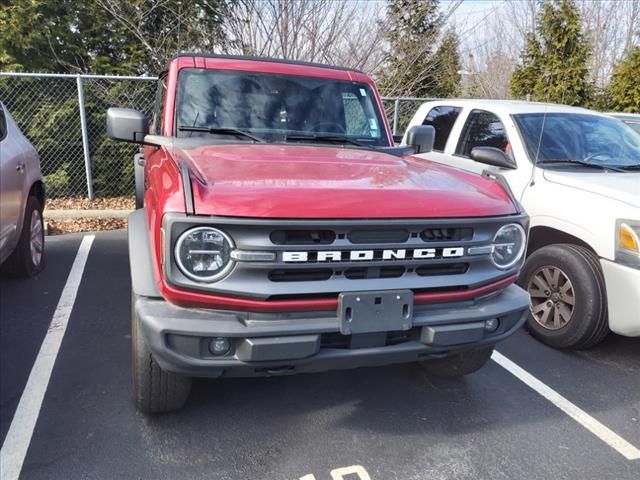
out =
column 20, row 167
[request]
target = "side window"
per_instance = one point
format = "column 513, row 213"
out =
column 483, row 129
column 442, row 119
column 3, row 124
column 156, row 122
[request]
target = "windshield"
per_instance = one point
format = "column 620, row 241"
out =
column 580, row 138
column 275, row 107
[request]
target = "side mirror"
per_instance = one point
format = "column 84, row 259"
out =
column 127, row 125
column 492, row 156
column 421, row 137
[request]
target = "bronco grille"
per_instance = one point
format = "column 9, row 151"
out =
column 359, row 273
column 446, row 234
column 446, row 269
column 302, row 237
column 378, row 236
column 300, row 275
column 325, row 257
column 373, row 272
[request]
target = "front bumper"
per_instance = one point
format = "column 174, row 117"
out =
column 298, row 342
column 623, row 298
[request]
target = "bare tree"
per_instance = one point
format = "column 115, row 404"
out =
column 490, row 47
column 416, row 64
column 332, row 31
column 612, row 26
column 165, row 27
column 493, row 47
column 521, row 15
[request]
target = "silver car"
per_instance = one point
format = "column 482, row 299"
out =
column 21, row 201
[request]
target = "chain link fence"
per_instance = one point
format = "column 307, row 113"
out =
column 400, row 111
column 64, row 117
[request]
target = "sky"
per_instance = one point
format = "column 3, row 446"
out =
column 473, row 10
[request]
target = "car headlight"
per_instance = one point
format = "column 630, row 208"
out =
column 508, row 246
column 204, row 254
column 628, row 242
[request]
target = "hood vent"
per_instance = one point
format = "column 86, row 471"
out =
column 446, row 234
column 378, row 236
column 302, row 237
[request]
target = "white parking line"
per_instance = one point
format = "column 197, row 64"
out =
column 611, row 438
column 16, row 443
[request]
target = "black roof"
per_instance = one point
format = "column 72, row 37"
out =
column 265, row 59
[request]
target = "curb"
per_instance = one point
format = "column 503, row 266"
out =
column 66, row 214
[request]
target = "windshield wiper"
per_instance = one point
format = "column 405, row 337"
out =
column 630, row 167
column 222, row 131
column 326, row 138
column 581, row 163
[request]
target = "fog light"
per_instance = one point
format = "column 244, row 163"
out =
column 491, row 325
column 219, row 346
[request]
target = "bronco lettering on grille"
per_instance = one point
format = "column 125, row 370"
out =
column 372, row 255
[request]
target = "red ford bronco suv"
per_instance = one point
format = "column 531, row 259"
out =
column 279, row 231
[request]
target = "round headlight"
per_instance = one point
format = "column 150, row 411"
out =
column 204, row 254
column 508, row 246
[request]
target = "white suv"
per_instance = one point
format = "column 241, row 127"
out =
column 21, row 200
column 577, row 174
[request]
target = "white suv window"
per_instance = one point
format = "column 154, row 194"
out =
column 3, row 124
column 483, row 129
column 442, row 118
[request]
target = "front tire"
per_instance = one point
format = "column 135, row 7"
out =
column 27, row 258
column 458, row 364
column 568, row 296
column 154, row 390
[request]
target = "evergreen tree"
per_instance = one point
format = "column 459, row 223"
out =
column 414, row 66
column 106, row 36
column 624, row 88
column 94, row 36
column 36, row 36
column 446, row 77
column 554, row 63
column 528, row 73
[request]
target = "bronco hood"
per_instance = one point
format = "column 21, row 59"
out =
column 298, row 182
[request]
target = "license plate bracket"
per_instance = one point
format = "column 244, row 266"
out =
column 375, row 311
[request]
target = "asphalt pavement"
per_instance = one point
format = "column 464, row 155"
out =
column 379, row 423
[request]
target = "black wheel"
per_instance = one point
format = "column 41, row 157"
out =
column 568, row 296
column 27, row 258
column 459, row 364
column 154, row 390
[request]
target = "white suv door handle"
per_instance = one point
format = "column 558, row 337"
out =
column 20, row 167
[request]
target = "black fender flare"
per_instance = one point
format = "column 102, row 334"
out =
column 143, row 281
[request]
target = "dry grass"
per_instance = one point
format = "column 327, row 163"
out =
column 79, row 203
column 75, row 225
column 87, row 224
